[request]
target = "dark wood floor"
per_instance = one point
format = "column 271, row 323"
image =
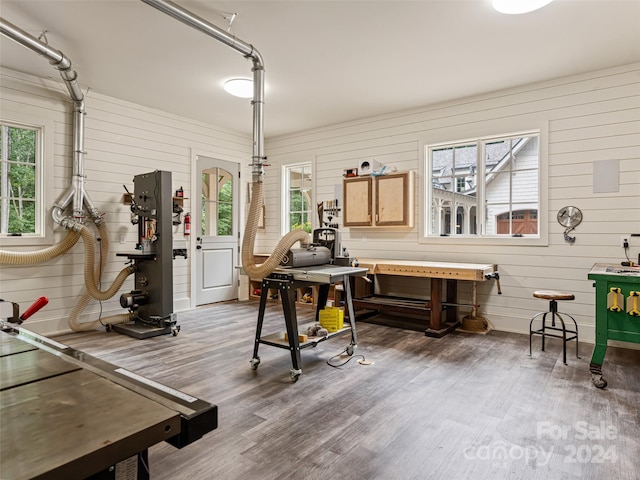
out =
column 461, row 407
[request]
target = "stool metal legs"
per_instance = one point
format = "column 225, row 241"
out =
column 553, row 310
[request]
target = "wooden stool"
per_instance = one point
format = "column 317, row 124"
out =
column 553, row 298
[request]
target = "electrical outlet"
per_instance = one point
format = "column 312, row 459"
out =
column 624, row 241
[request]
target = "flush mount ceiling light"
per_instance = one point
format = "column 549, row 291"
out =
column 239, row 87
column 515, row 7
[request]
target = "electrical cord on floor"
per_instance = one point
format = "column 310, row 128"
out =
column 362, row 361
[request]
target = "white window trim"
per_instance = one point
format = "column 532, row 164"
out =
column 461, row 134
column 45, row 184
column 284, row 194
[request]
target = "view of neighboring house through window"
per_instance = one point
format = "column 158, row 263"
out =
column 484, row 187
column 298, row 195
column 19, row 180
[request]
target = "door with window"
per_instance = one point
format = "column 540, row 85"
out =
column 217, row 230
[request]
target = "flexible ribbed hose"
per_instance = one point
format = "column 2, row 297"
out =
column 248, row 241
column 89, row 274
column 77, row 326
column 39, row 256
column 74, row 317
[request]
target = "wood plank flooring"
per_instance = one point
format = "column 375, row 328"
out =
column 460, row 407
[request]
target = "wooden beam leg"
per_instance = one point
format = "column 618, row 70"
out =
column 452, row 300
column 436, row 304
column 437, row 325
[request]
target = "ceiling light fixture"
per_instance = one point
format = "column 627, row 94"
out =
column 239, row 87
column 514, row 7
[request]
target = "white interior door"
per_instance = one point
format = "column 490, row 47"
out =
column 216, row 229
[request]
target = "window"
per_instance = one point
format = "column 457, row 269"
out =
column 21, row 212
column 298, row 197
column 217, row 202
column 487, row 187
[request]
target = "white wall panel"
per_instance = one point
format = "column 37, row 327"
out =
column 593, row 116
column 122, row 140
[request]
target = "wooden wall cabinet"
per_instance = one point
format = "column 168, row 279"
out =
column 380, row 201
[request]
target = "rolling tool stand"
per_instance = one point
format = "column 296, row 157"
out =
column 286, row 281
column 617, row 312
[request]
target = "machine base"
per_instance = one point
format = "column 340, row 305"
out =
column 141, row 331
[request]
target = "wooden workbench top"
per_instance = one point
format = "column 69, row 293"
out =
column 419, row 268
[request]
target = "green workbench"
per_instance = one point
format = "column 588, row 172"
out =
column 617, row 311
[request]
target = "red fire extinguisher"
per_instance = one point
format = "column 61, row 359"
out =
column 187, row 224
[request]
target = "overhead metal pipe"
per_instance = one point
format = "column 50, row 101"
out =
column 55, row 57
column 76, row 193
column 248, row 51
column 257, row 164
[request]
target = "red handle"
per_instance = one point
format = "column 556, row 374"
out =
column 35, row 306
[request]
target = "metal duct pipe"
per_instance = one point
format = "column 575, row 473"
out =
column 55, row 57
column 246, row 49
column 76, row 193
column 257, row 165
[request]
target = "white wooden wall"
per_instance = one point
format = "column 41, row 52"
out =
column 590, row 117
column 121, row 140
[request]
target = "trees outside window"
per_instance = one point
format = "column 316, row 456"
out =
column 298, row 197
column 20, row 169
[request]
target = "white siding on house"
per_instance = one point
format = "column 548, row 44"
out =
column 590, row 117
column 524, row 185
column 121, row 140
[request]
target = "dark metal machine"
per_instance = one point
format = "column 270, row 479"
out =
column 325, row 249
column 151, row 301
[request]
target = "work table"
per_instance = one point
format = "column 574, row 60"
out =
column 443, row 314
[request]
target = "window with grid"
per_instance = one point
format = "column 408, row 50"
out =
column 21, row 203
column 298, row 197
column 486, row 187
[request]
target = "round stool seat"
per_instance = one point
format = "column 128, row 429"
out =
column 553, row 295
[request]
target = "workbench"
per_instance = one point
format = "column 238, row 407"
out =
column 286, row 281
column 617, row 311
column 442, row 304
column 66, row 414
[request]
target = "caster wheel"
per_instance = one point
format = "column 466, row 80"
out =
column 254, row 363
column 295, row 375
column 107, row 327
column 598, row 381
column 350, row 350
column 174, row 332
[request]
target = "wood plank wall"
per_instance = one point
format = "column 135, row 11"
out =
column 589, row 117
column 122, row 140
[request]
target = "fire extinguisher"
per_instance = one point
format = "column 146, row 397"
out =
column 187, row 224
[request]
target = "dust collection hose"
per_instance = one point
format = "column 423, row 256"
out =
column 89, row 274
column 248, row 241
column 93, row 291
column 40, row 256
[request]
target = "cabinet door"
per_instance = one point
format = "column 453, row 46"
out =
column 394, row 200
column 357, row 196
